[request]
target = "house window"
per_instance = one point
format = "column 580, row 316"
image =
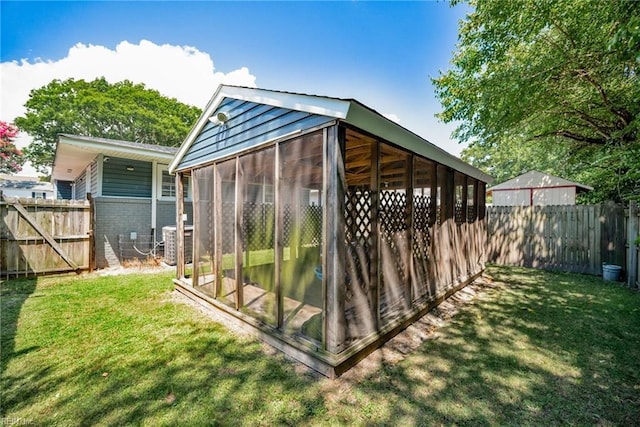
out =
column 168, row 185
column 38, row 195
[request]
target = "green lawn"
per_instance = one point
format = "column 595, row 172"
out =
column 536, row 348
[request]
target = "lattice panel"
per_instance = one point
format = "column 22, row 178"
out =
column 459, row 214
column 471, row 213
column 421, row 212
column 393, row 211
column 287, row 225
column 421, row 225
column 358, row 232
column 258, row 223
column 358, row 229
column 393, row 226
column 309, row 228
column 311, row 225
column 358, row 215
column 228, row 223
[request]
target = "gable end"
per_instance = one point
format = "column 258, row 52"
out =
column 250, row 124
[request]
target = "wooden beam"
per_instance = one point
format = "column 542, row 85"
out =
column 278, row 230
column 92, row 232
column 239, row 238
column 217, row 233
column 180, row 259
column 45, row 235
column 374, row 268
column 334, row 249
column 408, row 268
column 195, row 256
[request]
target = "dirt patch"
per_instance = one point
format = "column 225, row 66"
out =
column 138, row 267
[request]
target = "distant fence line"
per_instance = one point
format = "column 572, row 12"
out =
column 577, row 238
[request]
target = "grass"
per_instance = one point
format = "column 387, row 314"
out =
column 536, row 348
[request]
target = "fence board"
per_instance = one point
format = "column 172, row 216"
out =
column 568, row 238
column 43, row 236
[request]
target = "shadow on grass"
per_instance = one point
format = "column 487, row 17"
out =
column 151, row 361
column 13, row 294
column 541, row 348
column 536, row 349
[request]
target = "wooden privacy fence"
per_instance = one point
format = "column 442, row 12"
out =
column 577, row 238
column 44, row 236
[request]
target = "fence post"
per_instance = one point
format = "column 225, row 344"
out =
column 92, row 233
column 632, row 251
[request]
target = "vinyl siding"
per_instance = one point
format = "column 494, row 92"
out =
column 554, row 196
column 63, row 190
column 118, row 181
column 94, row 178
column 250, row 124
column 81, row 187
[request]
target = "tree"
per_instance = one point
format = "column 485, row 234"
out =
column 11, row 159
column 549, row 85
column 122, row 110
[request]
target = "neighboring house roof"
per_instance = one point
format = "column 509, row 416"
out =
column 74, row 153
column 535, row 179
column 346, row 110
column 24, row 183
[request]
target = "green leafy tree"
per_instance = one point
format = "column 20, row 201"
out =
column 122, row 110
column 11, row 159
column 549, row 85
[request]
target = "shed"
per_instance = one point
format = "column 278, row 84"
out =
column 535, row 189
column 321, row 225
column 131, row 188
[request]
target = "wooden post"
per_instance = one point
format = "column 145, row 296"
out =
column 195, row 255
column 334, row 249
column 433, row 208
column 278, row 230
column 239, row 238
column 374, row 269
column 180, row 246
column 450, row 197
column 408, row 268
column 217, row 224
column 92, row 233
column 632, row 252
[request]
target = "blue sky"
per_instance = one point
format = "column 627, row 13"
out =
column 381, row 53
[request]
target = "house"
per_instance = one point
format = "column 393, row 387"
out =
column 25, row 186
column 133, row 193
column 536, row 188
column 321, row 225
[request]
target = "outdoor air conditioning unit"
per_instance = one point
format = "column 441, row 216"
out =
column 170, row 237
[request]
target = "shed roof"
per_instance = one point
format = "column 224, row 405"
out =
column 18, row 182
column 347, row 110
column 75, row 152
column 536, row 179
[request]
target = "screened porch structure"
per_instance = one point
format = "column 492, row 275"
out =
column 320, row 225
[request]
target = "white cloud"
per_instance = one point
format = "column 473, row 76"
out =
column 180, row 72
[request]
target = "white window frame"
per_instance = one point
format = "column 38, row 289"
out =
column 165, row 168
